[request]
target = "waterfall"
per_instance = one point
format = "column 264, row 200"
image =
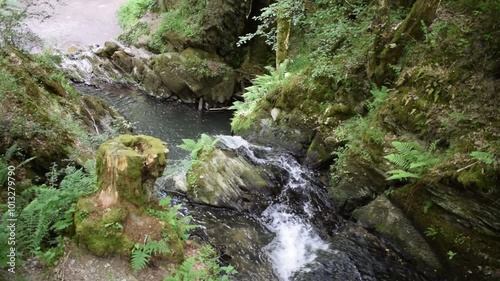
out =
column 296, row 242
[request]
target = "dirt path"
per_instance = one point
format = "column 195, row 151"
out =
column 80, row 23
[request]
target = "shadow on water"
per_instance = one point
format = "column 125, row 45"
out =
column 168, row 121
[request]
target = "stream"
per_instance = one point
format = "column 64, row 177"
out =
column 298, row 237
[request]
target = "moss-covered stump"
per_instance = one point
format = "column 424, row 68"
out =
column 127, row 168
column 224, row 179
column 114, row 219
column 389, row 221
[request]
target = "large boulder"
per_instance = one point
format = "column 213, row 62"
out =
column 224, row 179
column 390, row 222
column 195, row 74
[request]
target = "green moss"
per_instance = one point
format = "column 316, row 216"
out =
column 102, row 234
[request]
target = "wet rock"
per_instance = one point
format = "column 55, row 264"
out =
column 389, row 221
column 123, row 60
column 225, row 179
column 195, row 74
column 357, row 187
column 458, row 220
column 354, row 255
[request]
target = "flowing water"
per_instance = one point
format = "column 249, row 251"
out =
column 298, row 237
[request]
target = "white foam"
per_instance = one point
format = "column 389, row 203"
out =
column 295, row 243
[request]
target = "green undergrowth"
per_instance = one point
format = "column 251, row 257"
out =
column 44, row 213
column 130, row 13
column 203, row 266
column 262, row 86
column 180, row 21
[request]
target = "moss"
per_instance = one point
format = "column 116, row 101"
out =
column 101, row 233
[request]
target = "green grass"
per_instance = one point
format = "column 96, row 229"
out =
column 130, row 13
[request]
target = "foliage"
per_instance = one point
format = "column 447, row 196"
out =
column 211, row 271
column 8, row 83
column 379, row 96
column 45, row 212
column 179, row 223
column 262, row 85
column 205, row 144
column 6, row 159
column 451, row 254
column 142, row 253
column 13, row 15
column 412, row 159
column 185, row 20
column 336, row 43
column 484, row 157
column 130, row 13
column 288, row 9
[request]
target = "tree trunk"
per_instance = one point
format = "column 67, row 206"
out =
column 411, row 29
column 283, row 40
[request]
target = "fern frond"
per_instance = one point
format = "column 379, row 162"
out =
column 139, row 259
column 188, row 144
column 398, row 160
column 401, row 174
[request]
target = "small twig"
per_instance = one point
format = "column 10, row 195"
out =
column 466, row 167
column 64, row 265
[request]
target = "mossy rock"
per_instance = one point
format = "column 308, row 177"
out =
column 389, row 221
column 224, row 179
column 461, row 223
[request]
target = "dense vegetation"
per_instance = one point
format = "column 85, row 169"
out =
column 387, row 98
column 402, row 93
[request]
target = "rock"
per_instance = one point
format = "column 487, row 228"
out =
column 127, row 167
column 195, row 74
column 357, row 187
column 123, row 60
column 275, row 112
column 356, row 254
column 225, row 179
column 461, row 221
column 108, row 50
column 390, row 222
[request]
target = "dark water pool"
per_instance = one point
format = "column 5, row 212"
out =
column 168, row 121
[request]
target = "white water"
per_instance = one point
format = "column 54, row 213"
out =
column 296, row 242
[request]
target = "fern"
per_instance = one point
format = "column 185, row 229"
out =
column 262, row 85
column 210, row 271
column 412, row 159
column 140, row 259
column 484, row 157
column 50, row 209
column 401, row 174
column 141, row 254
column 186, row 272
column 205, row 143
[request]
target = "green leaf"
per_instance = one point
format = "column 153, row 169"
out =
column 401, row 174
column 139, row 260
